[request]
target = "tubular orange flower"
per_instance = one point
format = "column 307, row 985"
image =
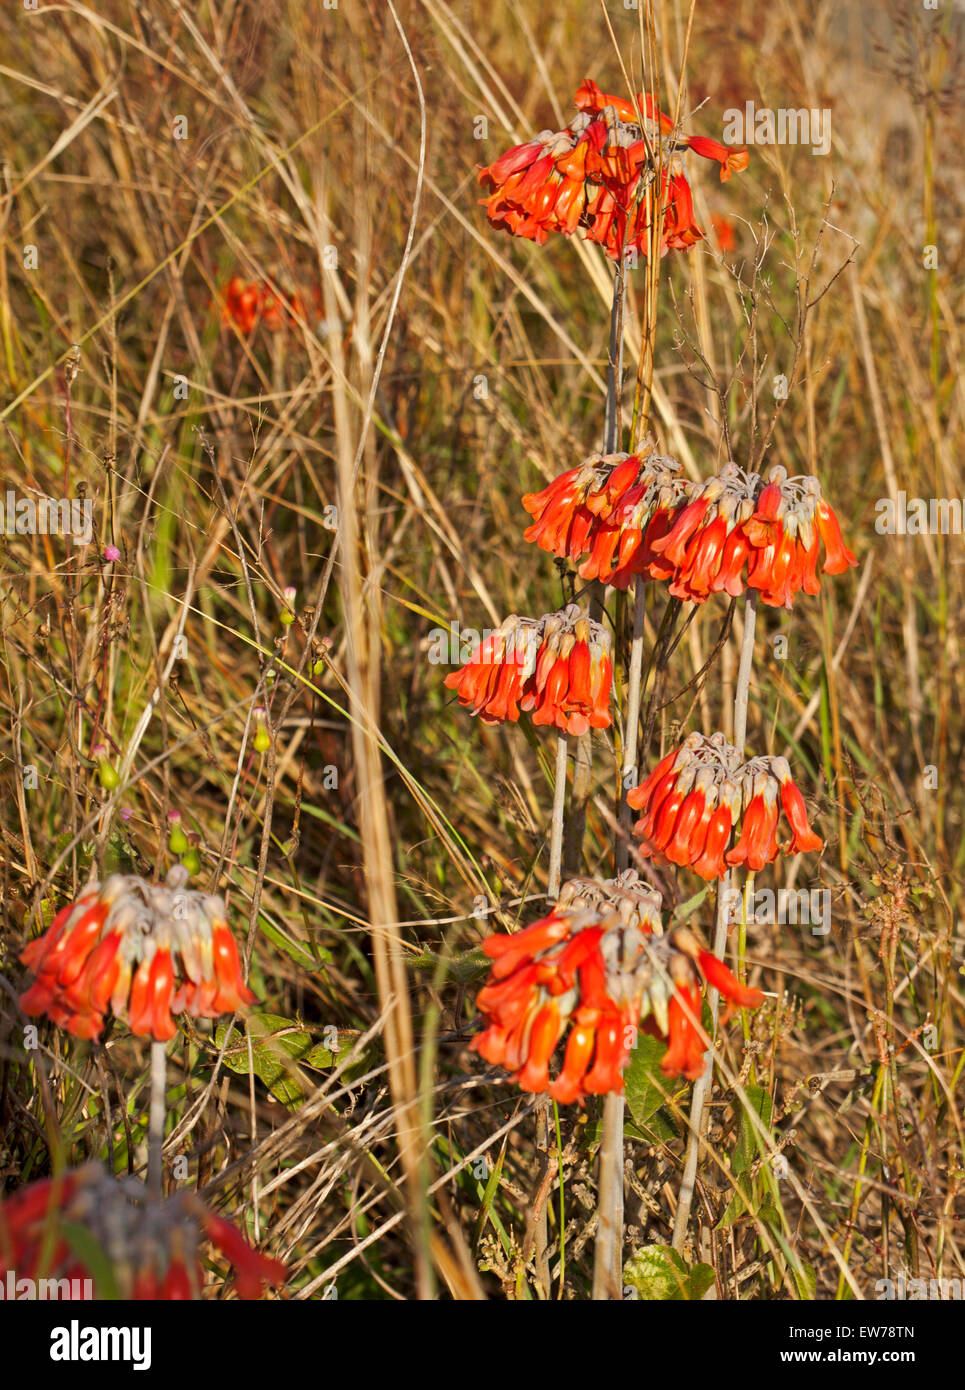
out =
column 145, row 950
column 248, row 303
column 591, row 971
column 591, row 177
column 703, row 807
column 556, row 668
column 614, row 506
column 152, row 1246
column 241, row 304
column 689, row 965
column 724, row 233
column 567, row 971
column 739, row 531
column 590, row 98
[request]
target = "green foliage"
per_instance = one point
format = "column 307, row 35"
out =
column 658, row 1274
column 282, row 1052
column 645, row 1084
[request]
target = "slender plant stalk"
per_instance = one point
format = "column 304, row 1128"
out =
column 556, row 825
column 543, row 1105
column 583, row 764
column 614, row 373
column 156, row 1118
column 553, row 890
column 744, row 671
column 363, row 671
column 608, row 1250
column 703, row 1084
column 631, row 727
column 541, row 1246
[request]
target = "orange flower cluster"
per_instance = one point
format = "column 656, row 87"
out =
column 614, row 506
column 248, row 303
column 689, row 966
column 705, row 808
column 151, row 1246
column 738, row 530
column 593, row 970
column 594, row 174
column 633, row 514
column 147, row 950
column 556, row 668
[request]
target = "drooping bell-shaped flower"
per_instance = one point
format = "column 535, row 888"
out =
column 593, row 176
column 738, row 531
column 611, row 510
column 144, row 950
column 586, row 976
column 556, row 668
column 705, row 808
column 151, row 1246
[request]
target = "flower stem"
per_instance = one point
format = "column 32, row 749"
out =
column 744, row 671
column 556, row 824
column 553, row 891
column 541, row 1247
column 612, row 434
column 614, row 372
column 608, row 1252
column 156, row 1119
column 631, row 728
column 703, row 1084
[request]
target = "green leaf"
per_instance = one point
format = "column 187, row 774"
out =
column 701, row 1278
column 646, row 1086
column 687, row 909
column 660, row 1275
column 750, row 1146
column 117, row 856
column 93, row 1257
column 739, row 1203
column 661, row 1127
column 279, row 1050
column 805, row 1279
column 309, row 958
column 463, row 969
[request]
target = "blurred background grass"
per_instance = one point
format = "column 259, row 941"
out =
column 212, row 462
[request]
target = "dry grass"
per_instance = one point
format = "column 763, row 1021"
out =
column 356, row 848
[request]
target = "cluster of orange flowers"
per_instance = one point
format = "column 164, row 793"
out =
column 252, row 302
column 146, row 950
column 703, row 806
column 739, row 530
column 556, row 668
column 594, row 176
column 594, row 970
column 612, row 509
column 635, row 515
column 151, row 1246
column 598, row 966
